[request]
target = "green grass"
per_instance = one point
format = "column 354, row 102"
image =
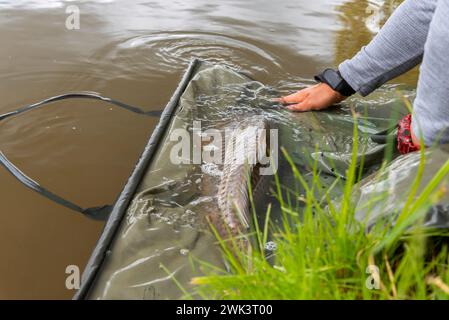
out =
column 323, row 252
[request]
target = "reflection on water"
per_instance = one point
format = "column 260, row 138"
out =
column 133, row 51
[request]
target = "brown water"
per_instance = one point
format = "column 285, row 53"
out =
column 134, row 51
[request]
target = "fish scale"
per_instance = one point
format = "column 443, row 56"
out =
column 240, row 169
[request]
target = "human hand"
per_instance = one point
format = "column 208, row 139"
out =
column 318, row 97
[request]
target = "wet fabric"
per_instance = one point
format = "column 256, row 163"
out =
column 164, row 230
column 381, row 196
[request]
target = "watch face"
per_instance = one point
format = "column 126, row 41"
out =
column 333, row 78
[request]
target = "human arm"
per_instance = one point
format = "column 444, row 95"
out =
column 397, row 48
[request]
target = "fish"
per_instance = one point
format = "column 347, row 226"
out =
column 246, row 151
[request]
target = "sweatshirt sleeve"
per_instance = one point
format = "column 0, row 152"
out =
column 397, row 48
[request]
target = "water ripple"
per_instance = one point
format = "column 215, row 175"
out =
column 162, row 53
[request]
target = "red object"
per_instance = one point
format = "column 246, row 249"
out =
column 405, row 141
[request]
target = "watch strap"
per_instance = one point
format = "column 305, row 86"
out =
column 342, row 87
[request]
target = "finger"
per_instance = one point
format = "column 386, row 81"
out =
column 294, row 98
column 300, row 107
column 279, row 100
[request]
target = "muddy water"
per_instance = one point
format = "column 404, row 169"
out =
column 133, row 51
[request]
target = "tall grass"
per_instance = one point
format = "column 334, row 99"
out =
column 323, row 252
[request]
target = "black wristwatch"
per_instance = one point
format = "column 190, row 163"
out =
column 334, row 80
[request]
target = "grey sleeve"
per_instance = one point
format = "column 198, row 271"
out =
column 397, row 48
